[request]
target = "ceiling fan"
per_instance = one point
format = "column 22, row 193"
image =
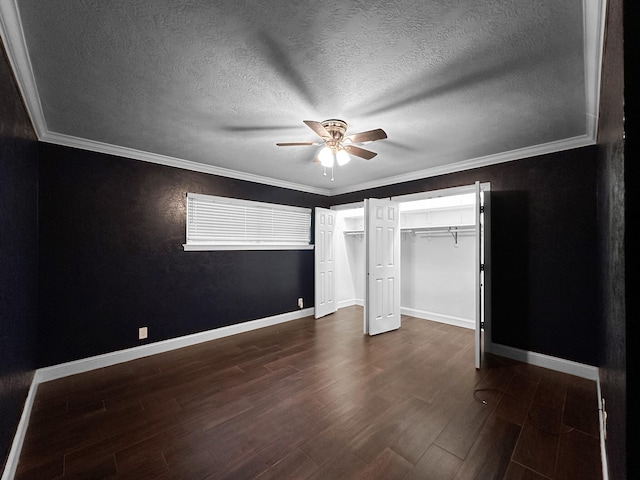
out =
column 337, row 145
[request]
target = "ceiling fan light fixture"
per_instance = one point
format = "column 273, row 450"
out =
column 342, row 157
column 326, row 157
column 338, row 147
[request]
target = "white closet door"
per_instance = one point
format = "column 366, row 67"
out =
column 478, row 277
column 325, row 282
column 382, row 296
column 485, row 221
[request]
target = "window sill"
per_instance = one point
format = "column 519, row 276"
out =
column 204, row 248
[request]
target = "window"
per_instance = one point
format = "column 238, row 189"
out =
column 221, row 223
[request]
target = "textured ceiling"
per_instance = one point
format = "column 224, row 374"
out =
column 213, row 86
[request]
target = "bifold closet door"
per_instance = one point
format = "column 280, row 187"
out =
column 382, row 295
column 324, row 259
column 478, row 268
column 483, row 271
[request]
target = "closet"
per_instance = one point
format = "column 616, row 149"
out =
column 443, row 257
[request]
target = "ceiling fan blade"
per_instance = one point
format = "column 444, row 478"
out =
column 318, row 128
column 360, row 152
column 296, row 144
column 368, row 136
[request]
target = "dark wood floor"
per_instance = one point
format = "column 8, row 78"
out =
column 317, row 400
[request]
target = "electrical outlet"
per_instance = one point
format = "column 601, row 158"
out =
column 604, row 419
column 300, row 303
column 143, row 332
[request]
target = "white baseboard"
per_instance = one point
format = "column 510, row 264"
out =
column 113, row 358
column 86, row 364
column 350, row 302
column 18, row 439
column 565, row 366
column 603, row 449
column 438, row 317
column 99, row 361
column 546, row 361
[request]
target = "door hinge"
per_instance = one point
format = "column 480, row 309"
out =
column 481, row 208
column 482, row 267
column 481, row 324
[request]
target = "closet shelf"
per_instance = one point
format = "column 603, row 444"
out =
column 441, row 230
column 414, row 230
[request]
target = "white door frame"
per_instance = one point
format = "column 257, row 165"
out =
column 483, row 299
column 479, row 301
column 485, row 251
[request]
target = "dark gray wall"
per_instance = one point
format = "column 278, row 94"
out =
column 546, row 288
column 18, row 255
column 611, row 240
column 544, row 246
column 632, row 253
column 111, row 257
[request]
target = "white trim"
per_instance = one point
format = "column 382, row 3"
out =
column 422, row 314
column 94, row 146
column 86, row 364
column 351, row 302
column 443, row 192
column 100, row 361
column 203, row 248
column 348, row 206
column 519, row 154
column 18, row 439
column 594, row 17
column 546, row 361
column 603, row 449
column 16, row 48
column 439, row 317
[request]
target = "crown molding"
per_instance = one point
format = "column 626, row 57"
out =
column 594, row 21
column 13, row 39
column 16, row 47
column 594, row 18
column 100, row 147
column 519, row 154
column 594, row 24
column 109, row 149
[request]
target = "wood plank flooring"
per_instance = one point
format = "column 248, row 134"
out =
column 317, row 399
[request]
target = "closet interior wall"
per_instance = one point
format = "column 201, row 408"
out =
column 437, row 259
column 350, row 257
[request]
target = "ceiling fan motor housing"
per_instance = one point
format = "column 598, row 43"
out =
column 337, row 129
column 332, row 132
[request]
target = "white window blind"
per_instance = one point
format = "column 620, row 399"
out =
column 230, row 222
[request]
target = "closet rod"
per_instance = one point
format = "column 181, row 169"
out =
column 462, row 228
column 453, row 230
